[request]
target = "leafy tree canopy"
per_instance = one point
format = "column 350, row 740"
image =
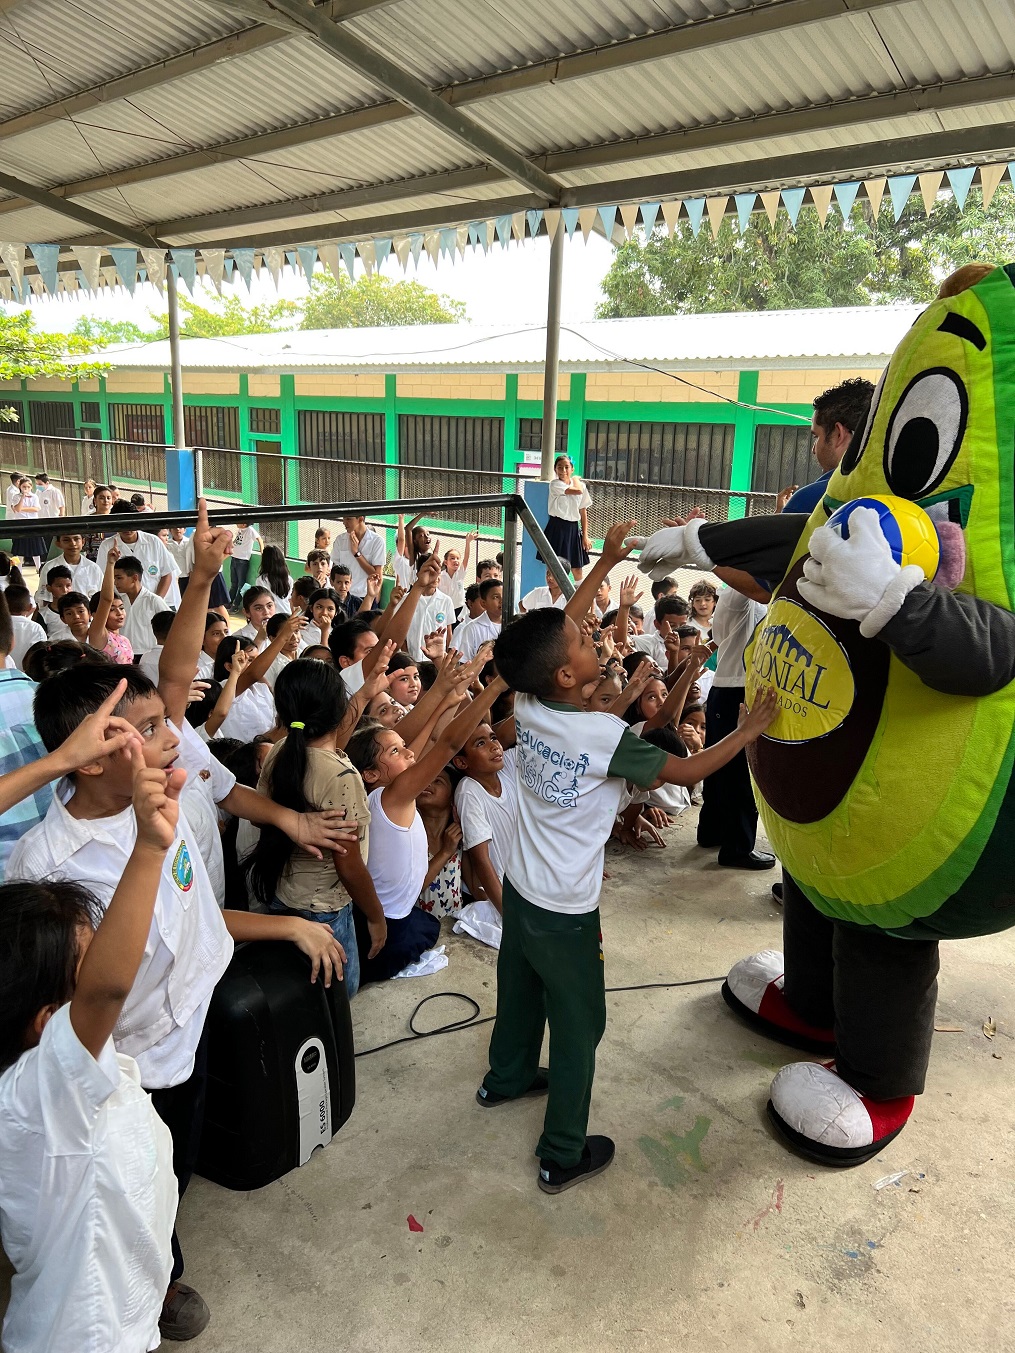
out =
column 25, row 353
column 375, row 300
column 862, row 261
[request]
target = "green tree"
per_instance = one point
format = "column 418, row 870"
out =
column 100, row 333
column 222, row 319
column 25, row 353
column 375, row 300
column 862, row 261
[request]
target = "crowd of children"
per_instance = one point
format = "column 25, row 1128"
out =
column 333, row 773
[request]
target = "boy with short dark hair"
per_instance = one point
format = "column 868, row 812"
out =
column 86, row 576
column 141, row 604
column 485, row 628
column 487, row 568
column 26, row 631
column 572, row 765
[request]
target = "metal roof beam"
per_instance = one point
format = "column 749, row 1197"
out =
column 248, row 40
column 135, row 234
column 352, row 51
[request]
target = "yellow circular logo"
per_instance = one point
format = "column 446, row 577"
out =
column 798, row 655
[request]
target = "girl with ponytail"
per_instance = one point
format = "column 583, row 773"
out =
column 305, row 771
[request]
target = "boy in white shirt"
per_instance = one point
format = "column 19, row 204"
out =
column 140, row 604
column 87, row 1192
column 86, row 576
column 26, row 630
column 244, row 540
column 362, row 551
column 485, row 627
column 161, row 624
column 572, row 765
column 59, row 584
column 51, row 500
column 158, row 568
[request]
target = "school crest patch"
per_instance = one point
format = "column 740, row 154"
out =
column 183, row 868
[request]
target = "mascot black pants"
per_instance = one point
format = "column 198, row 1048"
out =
column 877, row 992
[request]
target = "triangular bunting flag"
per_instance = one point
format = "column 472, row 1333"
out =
column 347, row 253
column 155, row 265
column 586, row 221
column 402, row 245
column 6, row 288
column 382, row 249
column 695, row 208
column 47, row 258
column 930, row 186
column 186, row 263
column 448, row 242
column 845, row 196
column 792, row 200
column 629, row 215
column 88, row 255
column 649, row 216
column 474, row 233
column 899, row 189
column 671, row 215
column 307, row 255
column 822, row 199
column 109, row 277
column 244, row 260
column 37, row 285
column 214, row 262
column 569, row 215
column 290, row 258
column 368, row 254
column 230, row 265
column 462, row 239
column 552, row 218
column 503, row 225
column 490, row 230
column 745, row 205
column 770, row 202
column 274, row 260
column 959, row 181
column 13, row 256
column 328, row 254
column 716, row 208
column 608, row 216
column 518, row 225
column 875, row 192
column 432, row 245
column 990, row 176
column 416, row 246
column 533, row 219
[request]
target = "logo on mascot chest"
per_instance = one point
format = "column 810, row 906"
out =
column 798, row 655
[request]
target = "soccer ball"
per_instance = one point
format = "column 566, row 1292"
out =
column 909, row 531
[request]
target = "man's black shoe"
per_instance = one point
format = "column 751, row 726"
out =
column 490, row 1099
column 754, row 859
column 777, row 892
column 596, row 1157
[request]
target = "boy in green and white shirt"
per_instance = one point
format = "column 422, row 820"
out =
column 572, row 764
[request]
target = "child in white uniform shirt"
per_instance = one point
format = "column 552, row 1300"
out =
column 89, row 833
column 87, row 1191
column 258, row 607
column 86, row 576
column 26, row 630
column 486, row 626
column 158, row 568
column 550, row 595
column 141, row 604
column 572, row 765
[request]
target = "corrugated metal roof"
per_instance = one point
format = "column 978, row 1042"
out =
column 862, row 337
column 801, row 57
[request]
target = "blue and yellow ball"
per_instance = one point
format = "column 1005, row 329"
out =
column 909, row 531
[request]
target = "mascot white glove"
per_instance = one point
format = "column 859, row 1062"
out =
column 857, row 578
column 674, row 547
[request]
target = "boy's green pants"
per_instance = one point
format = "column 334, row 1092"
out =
column 550, row 969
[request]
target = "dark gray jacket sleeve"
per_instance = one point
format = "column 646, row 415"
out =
column 761, row 546
column 954, row 643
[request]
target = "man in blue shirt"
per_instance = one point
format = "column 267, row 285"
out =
column 838, row 412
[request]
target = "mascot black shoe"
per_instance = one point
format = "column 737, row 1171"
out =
column 885, row 783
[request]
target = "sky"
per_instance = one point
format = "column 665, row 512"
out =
column 505, row 286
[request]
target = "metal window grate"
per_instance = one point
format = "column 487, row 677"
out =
column 430, row 444
column 51, row 417
column 139, row 432
column 782, row 456
column 697, row 454
column 530, row 435
column 266, row 420
column 91, row 412
column 333, row 441
column 215, row 428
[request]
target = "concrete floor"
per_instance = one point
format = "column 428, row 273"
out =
column 705, row 1233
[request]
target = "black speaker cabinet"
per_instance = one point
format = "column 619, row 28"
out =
column 281, row 1068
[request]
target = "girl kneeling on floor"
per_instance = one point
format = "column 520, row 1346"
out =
column 398, row 849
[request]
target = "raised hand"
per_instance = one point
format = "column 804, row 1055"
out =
column 97, row 736
column 753, row 722
column 630, row 592
column 378, row 679
column 212, row 544
column 434, row 644
column 615, row 546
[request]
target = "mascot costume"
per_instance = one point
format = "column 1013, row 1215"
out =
column 885, row 781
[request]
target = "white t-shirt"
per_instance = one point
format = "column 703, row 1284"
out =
column 435, row 612
column 564, row 505
column 398, row 859
column 572, row 764
column 12, row 496
column 182, row 552
column 188, row 947
column 353, row 677
column 87, row 1199
column 148, row 550
column 540, row 597
column 137, row 628
column 244, row 541
column 26, row 633
column 405, row 573
column 51, row 501
column 252, row 713
column 485, row 817
column 471, row 637
column 86, row 577
column 372, row 550
column 453, row 586
column 148, row 664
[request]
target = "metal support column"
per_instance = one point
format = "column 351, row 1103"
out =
column 552, row 362
column 510, row 571
column 182, row 472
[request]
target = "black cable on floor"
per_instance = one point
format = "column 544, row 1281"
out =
column 473, row 1021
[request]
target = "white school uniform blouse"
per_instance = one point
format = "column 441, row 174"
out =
column 51, row 502
column 85, row 576
column 432, row 613
column 208, row 783
column 148, row 550
column 26, row 633
column 453, row 586
column 567, row 506
column 137, row 628
column 87, row 1199
column 252, row 713
column 485, row 817
column 539, row 598
column 470, row 637
column 282, row 606
column 188, row 947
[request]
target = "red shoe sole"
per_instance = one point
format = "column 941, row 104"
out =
column 790, row 1038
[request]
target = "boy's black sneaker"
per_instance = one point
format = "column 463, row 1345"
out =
column 489, row 1099
column 596, row 1157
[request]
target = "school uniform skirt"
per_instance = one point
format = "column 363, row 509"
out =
column 566, row 539
column 28, row 547
column 408, row 937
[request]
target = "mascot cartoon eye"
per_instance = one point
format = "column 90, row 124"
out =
column 861, row 435
column 925, row 432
